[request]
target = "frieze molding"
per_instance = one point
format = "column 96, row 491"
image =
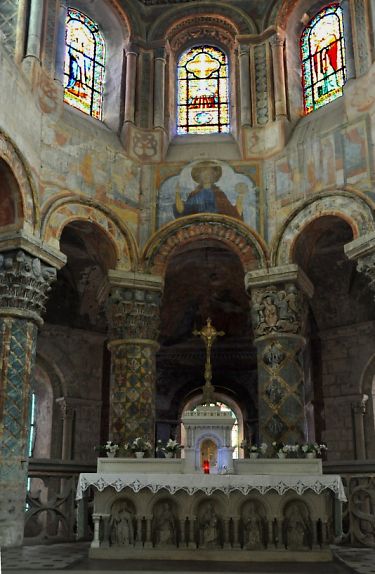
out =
column 24, row 285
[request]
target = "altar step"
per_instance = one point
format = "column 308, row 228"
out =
column 63, row 558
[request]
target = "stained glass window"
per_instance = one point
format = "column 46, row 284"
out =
column 202, row 91
column 84, row 64
column 323, row 58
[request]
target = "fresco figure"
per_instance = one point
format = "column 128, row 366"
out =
column 207, row 196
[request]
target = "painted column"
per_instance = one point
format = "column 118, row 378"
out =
column 24, row 284
column 277, row 46
column 159, row 88
column 244, row 65
column 131, row 74
column 35, row 29
column 133, row 313
column 278, row 309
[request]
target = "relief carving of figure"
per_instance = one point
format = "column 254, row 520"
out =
column 297, row 526
column 164, row 526
column 209, row 527
column 253, row 528
column 276, row 310
column 121, row 529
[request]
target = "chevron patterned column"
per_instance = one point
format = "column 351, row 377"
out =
column 24, row 283
column 133, row 313
column 279, row 308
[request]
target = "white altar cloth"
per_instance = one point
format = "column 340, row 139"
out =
column 192, row 483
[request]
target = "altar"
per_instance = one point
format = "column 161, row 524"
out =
column 192, row 508
column 265, row 509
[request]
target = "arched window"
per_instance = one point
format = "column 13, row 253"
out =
column 84, row 64
column 323, row 58
column 202, row 91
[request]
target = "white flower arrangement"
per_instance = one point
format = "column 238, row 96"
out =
column 254, row 448
column 172, row 446
column 314, row 448
column 139, row 444
column 111, row 447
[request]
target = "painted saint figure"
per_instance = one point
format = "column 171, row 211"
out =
column 207, row 197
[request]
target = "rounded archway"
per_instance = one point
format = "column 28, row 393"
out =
column 341, row 307
column 205, row 279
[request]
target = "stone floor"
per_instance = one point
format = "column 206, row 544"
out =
column 61, row 558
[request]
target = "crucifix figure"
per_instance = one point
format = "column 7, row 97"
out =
column 208, row 334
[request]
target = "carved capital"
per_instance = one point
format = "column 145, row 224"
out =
column 359, row 407
column 24, row 284
column 67, row 407
column 366, row 265
column 133, row 313
column 277, row 41
column 278, row 309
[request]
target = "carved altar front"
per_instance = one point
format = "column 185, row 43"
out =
column 266, row 509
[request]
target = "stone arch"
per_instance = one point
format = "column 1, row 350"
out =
column 20, row 180
column 69, row 209
column 246, row 243
column 367, row 387
column 235, row 17
column 351, row 206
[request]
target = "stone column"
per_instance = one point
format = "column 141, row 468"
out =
column 24, row 284
column 67, row 416
column 133, row 313
column 131, row 74
column 278, row 309
column 244, row 66
column 159, row 88
column 277, row 46
column 60, row 41
column 359, row 411
column 35, row 29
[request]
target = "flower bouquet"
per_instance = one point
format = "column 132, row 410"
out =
column 313, row 449
column 110, row 448
column 254, row 450
column 139, row 446
column 170, row 449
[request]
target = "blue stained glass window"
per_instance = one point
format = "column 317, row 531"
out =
column 322, row 48
column 84, row 64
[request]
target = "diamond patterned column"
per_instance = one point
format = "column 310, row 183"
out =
column 279, row 309
column 24, row 283
column 133, row 313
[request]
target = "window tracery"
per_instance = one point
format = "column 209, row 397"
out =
column 202, row 91
column 84, row 64
column 322, row 48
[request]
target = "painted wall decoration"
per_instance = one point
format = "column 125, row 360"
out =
column 355, row 150
column 210, row 187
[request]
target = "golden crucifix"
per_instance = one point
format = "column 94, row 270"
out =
column 208, row 334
